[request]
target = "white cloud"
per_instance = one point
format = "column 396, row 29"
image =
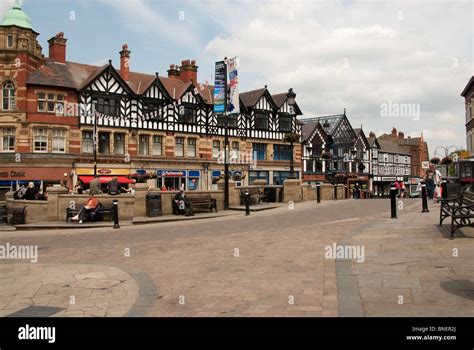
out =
column 357, row 55
column 5, row 5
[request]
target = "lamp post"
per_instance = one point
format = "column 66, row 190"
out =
column 95, row 136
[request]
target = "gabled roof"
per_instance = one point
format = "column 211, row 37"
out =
column 280, row 99
column 77, row 76
column 468, row 86
column 332, row 121
column 392, row 147
column 374, row 141
column 360, row 132
column 250, row 98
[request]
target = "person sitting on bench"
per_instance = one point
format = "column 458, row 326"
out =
column 86, row 209
column 182, row 203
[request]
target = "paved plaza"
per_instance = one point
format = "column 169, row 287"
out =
column 271, row 263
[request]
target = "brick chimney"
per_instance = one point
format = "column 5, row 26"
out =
column 57, row 48
column 188, row 71
column 173, row 72
column 125, row 62
column 401, row 135
column 394, row 132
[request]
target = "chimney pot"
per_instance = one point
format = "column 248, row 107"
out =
column 188, row 71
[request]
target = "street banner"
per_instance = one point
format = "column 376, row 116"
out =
column 220, row 87
column 233, row 100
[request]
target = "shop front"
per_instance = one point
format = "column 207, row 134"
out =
column 382, row 184
column 362, row 181
column 174, row 180
column 12, row 178
column 86, row 174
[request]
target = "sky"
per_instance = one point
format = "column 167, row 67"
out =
column 391, row 64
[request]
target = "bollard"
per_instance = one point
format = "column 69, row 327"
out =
column 335, row 192
column 318, row 192
column 444, row 188
column 424, row 198
column 393, row 200
column 116, row 217
column 247, row 203
column 346, row 192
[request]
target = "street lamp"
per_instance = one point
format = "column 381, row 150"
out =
column 291, row 138
column 291, row 97
column 95, row 136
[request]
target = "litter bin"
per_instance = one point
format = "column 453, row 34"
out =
column 270, row 194
column 153, row 205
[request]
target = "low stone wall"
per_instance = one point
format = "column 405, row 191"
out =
column 327, row 192
column 36, row 211
column 168, row 196
column 126, row 204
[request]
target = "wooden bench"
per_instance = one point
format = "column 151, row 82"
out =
column 202, row 202
column 256, row 195
column 461, row 210
column 106, row 209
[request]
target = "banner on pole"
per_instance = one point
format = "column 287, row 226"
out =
column 233, row 105
column 220, row 87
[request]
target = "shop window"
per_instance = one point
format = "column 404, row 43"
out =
column 104, row 143
column 191, row 147
column 59, row 140
column 179, row 147
column 258, row 175
column 216, row 149
column 282, row 152
column 119, row 143
column 143, row 145
column 9, row 96
column 40, row 140
column 260, row 150
column 261, row 120
column 87, row 142
column 8, row 140
column 157, row 145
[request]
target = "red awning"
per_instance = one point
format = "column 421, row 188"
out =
column 106, row 179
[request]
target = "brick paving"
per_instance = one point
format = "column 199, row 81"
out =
column 271, row 263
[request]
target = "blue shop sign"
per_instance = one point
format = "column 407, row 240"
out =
column 194, row 173
column 216, row 173
column 171, row 173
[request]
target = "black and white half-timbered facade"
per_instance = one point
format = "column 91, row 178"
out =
column 170, row 129
column 335, row 152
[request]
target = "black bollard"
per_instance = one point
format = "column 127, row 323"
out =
column 346, row 192
column 116, row 217
column 444, row 188
column 318, row 192
column 393, row 200
column 335, row 192
column 247, row 203
column 424, row 198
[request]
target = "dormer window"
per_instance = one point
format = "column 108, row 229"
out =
column 10, row 41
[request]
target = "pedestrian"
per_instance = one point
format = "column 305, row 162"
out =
column 31, row 192
column 182, row 203
column 78, row 189
column 87, row 208
column 115, row 187
column 402, row 189
column 94, row 186
column 20, row 193
column 397, row 189
column 357, row 191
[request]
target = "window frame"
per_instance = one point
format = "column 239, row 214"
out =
column 263, row 149
column 118, row 142
column 258, row 117
column 58, row 137
column 89, row 140
column 12, row 44
column 44, row 135
column 288, row 119
column 101, row 141
column 106, row 109
column 176, row 143
column 191, row 145
column 9, row 96
column 214, row 143
column 144, row 147
column 157, row 137
column 8, row 136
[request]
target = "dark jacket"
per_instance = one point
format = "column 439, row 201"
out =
column 30, row 194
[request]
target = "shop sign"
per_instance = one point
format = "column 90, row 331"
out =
column 13, row 174
column 171, row 173
column 389, row 179
column 103, row 171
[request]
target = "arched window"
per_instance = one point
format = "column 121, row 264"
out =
column 8, row 94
